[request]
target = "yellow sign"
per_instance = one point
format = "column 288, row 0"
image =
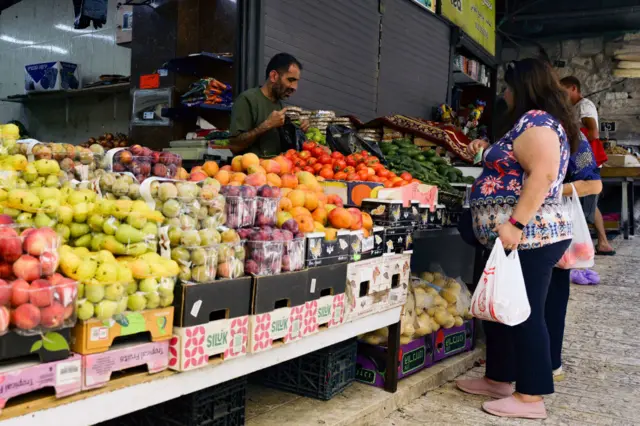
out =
column 477, row 18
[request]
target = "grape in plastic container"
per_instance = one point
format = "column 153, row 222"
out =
column 44, row 305
column 240, row 206
column 293, row 254
column 264, row 257
column 266, row 211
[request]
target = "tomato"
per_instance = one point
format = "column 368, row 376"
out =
column 397, row 179
column 308, row 169
column 352, row 176
column 358, row 158
column 415, row 180
column 340, row 176
column 406, row 176
column 300, row 163
column 350, row 160
column 400, row 183
column 383, row 173
column 370, row 171
column 374, row 178
column 308, row 146
column 311, row 161
column 364, row 153
column 378, row 166
column 391, row 174
column 349, row 169
column 337, row 155
column 317, row 167
column 363, row 174
column 361, row 166
column 387, row 183
column 290, row 153
column 339, row 165
column 317, row 152
column 304, row 155
column 326, row 173
column 296, row 170
column 325, row 159
column 372, row 161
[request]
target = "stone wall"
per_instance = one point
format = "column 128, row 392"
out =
column 591, row 60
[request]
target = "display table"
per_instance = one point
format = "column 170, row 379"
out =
column 132, row 393
column 626, row 178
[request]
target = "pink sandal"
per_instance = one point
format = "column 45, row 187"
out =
column 512, row 407
column 482, row 387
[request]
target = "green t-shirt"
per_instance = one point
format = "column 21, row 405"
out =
column 250, row 109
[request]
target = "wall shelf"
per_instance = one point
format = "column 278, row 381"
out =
column 197, row 64
column 107, row 89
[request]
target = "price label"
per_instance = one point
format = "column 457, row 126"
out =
column 607, row 126
column 148, row 115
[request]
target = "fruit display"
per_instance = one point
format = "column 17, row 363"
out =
column 272, row 250
column 33, row 298
column 435, row 301
column 108, row 141
column 108, row 286
column 404, row 157
column 143, row 162
column 241, row 205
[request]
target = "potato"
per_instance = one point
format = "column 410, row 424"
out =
column 431, row 311
column 431, row 291
column 458, row 321
column 442, row 317
column 438, row 276
column 427, row 276
column 409, row 330
column 439, row 282
column 454, row 285
column 434, row 326
column 440, row 301
column 423, row 325
column 384, row 332
column 404, row 340
column 372, row 339
column 449, row 295
column 452, row 310
column 449, row 323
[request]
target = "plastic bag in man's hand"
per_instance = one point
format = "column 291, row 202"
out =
column 346, row 141
column 501, row 295
column 291, row 136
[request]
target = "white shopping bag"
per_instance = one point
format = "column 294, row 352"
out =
column 581, row 253
column 501, row 295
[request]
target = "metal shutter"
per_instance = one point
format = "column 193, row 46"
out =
column 337, row 43
column 414, row 63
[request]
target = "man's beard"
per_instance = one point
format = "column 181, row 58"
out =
column 279, row 92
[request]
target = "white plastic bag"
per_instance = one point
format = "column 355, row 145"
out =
column 581, row 253
column 501, row 295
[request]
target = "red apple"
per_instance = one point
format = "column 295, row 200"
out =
column 19, row 292
column 5, row 219
column 49, row 263
column 41, row 293
column 10, row 244
column 5, row 318
column 52, row 316
column 5, row 293
column 5, row 270
column 40, row 241
column 26, row 316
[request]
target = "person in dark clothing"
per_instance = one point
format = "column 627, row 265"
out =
column 258, row 113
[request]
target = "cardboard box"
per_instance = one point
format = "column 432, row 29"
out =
column 320, row 252
column 372, row 360
column 54, row 345
column 453, row 341
column 278, row 306
column 65, row 376
column 616, row 160
column 398, row 239
column 94, row 335
column 367, row 290
column 97, row 368
column 326, row 307
column 362, row 247
column 397, row 269
column 352, row 193
column 212, row 323
column 49, row 76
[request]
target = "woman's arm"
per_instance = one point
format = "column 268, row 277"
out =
column 583, row 188
column 538, row 152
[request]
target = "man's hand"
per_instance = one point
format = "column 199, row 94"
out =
column 276, row 119
column 304, row 125
column 476, row 145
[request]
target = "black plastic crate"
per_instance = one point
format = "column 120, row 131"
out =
column 221, row 405
column 321, row 375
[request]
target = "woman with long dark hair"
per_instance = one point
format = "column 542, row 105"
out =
column 518, row 198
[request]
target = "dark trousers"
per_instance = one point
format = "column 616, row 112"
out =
column 522, row 353
column 556, row 312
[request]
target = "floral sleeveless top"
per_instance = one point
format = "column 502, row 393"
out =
column 497, row 190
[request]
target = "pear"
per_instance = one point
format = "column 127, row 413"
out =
column 81, row 212
column 131, row 288
column 124, row 274
column 122, row 305
column 78, row 196
column 79, row 229
column 47, row 167
column 42, row 220
column 52, row 181
column 105, row 257
column 136, row 249
column 25, row 219
column 50, row 206
column 65, row 214
column 96, row 222
column 140, row 269
column 85, row 310
column 150, row 229
column 87, row 269
column 106, row 273
column 14, row 213
column 137, row 302
column 84, row 241
column 63, row 231
column 166, row 300
column 105, row 207
column 110, row 226
column 114, row 292
column 69, row 264
column 30, row 174
column 97, row 240
column 137, row 219
column 106, row 309
column 127, row 234
column 153, row 300
column 122, row 208
column 114, row 246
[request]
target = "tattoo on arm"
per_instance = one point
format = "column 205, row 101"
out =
column 246, row 139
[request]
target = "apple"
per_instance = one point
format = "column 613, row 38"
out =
column 27, row 268
column 40, row 241
column 41, row 293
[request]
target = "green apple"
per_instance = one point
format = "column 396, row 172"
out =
column 85, row 310
column 106, row 309
column 153, row 300
column 137, row 302
column 114, row 291
column 94, row 292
